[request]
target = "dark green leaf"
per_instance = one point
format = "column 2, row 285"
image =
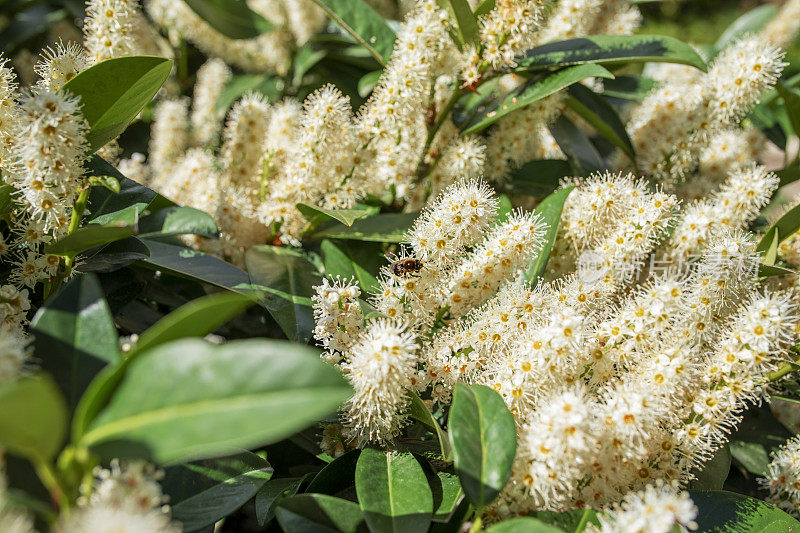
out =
column 189, row 399
column 194, row 265
column 88, row 237
column 451, row 497
column 788, row 174
column 178, row 221
column 271, row 493
column 550, row 208
column 393, row 492
column 610, row 50
column 232, row 18
column 484, row 7
column 720, row 511
column 467, row 22
column 523, row 525
column 580, row 151
column 783, row 228
column 791, row 102
column 750, row 22
column 601, row 116
column 315, row 214
column 573, row 521
column 628, row 87
column 758, row 435
column 766, row 119
column 420, row 412
column 539, row 177
column 74, row 335
column 287, row 279
column 712, row 474
column 484, row 439
column 7, row 204
column 337, row 263
column 114, row 91
column 358, row 19
column 338, row 475
column 534, row 90
column 766, row 271
column 385, row 227
column 319, row 513
column 33, row 420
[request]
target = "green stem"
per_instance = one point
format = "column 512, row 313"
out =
column 50, row 480
column 784, row 370
column 78, row 209
column 477, row 525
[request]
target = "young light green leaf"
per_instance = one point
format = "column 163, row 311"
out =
column 190, row 399
column 178, row 220
column 319, row 513
column 532, row 91
column 33, row 420
column 232, row 18
column 74, row 335
column 287, row 280
column 202, row 492
column 315, row 214
column 88, row 237
column 109, row 182
column 366, row 26
column 726, row 512
column 550, row 209
column 601, row 116
column 783, row 228
column 114, row 91
column 483, row 435
column 393, row 492
column 610, row 50
column 368, row 82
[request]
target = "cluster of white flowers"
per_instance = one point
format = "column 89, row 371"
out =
column 125, row 498
column 116, row 28
column 656, row 509
column 783, row 477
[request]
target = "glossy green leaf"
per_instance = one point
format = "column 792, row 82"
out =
column 33, row 420
column 270, row 86
column 194, row 265
column 610, row 50
column 109, row 182
column 315, row 214
column 601, row 116
column 581, row 153
column 385, row 227
column 74, row 335
column 451, row 496
column 178, row 220
column 232, row 18
column 420, row 412
column 523, row 525
column 712, row 474
column 367, row 27
column 758, row 435
column 190, row 399
column 572, row 521
column 337, row 263
column 368, row 82
column 484, row 439
column 393, row 492
column 750, row 22
column 88, row 237
column 791, row 102
column 338, row 475
column 287, row 280
column 783, row 228
column 539, row 177
column 202, row 492
column 534, row 90
column 272, row 493
column 319, row 513
column 550, row 209
column 720, row 511
column 485, row 7
column 466, row 21
column 766, row 271
column 628, row 87
column 114, row 91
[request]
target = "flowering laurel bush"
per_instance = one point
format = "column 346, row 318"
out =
column 396, row 266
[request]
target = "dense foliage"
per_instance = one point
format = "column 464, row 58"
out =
column 396, row 265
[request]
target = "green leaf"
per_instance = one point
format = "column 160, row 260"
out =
column 366, row 26
column 232, row 18
column 721, row 511
column 287, row 279
column 272, row 493
column 751, row 22
column 573, row 521
column 628, row 87
column 368, row 82
column 523, row 525
column 713, row 473
column 88, row 237
column 385, row 227
column 758, row 435
column 337, row 476
column 420, row 412
column 452, row 495
column 467, row 22
column 610, row 50
column 269, row 85
column 109, row 182
column 601, row 116
column 203, row 492
column 393, row 492
column 550, row 208
column 189, row 399
column 337, row 263
column 7, row 204
column 319, row 513
column 484, row 439
column 33, row 420
column 783, row 228
column 196, row 318
column 771, row 253
column 315, row 214
column 791, row 102
column 194, row 265
column 539, row 177
column 581, row 153
column 74, row 335
column 178, row 220
column 788, row 174
column 114, row 91
column 534, row 90
column 766, row 271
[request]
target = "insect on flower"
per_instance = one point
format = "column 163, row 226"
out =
column 403, row 268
